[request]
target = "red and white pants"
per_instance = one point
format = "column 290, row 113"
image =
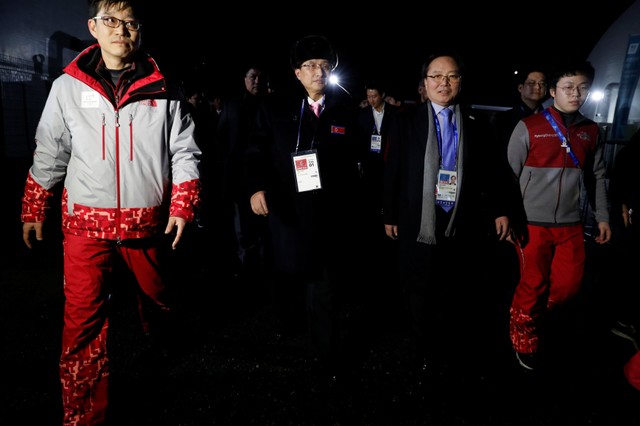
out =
column 84, row 362
column 551, row 272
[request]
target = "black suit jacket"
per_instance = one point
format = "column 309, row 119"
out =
column 482, row 192
column 314, row 230
column 372, row 163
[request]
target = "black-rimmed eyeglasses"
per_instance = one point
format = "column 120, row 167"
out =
column 112, row 22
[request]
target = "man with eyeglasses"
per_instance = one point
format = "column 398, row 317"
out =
column 558, row 157
column 444, row 201
column 373, row 122
column 302, row 174
column 532, row 89
column 124, row 146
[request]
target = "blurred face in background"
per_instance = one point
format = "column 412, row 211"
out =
column 375, row 99
column 534, row 89
column 253, row 82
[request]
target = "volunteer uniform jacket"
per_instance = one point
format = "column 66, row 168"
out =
column 538, row 159
column 123, row 162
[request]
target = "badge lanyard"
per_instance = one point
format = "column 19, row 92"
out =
column 565, row 141
column 446, row 186
column 305, row 163
column 376, row 139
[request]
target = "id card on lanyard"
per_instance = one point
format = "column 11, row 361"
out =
column 306, row 170
column 447, row 188
column 376, row 143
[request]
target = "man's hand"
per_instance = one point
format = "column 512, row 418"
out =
column 259, row 203
column 626, row 215
column 391, row 231
column 27, row 228
column 503, row 229
column 178, row 223
column 604, row 234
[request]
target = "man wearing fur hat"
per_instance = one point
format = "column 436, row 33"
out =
column 302, row 173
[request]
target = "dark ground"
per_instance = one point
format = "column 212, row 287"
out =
column 237, row 367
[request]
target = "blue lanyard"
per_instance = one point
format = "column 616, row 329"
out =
column 563, row 139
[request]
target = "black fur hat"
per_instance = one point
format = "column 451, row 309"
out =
column 313, row 47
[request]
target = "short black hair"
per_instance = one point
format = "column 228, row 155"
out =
column 375, row 85
column 456, row 57
column 526, row 69
column 96, row 5
column 570, row 68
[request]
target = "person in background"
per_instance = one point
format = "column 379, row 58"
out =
column 302, row 172
column 442, row 228
column 373, row 124
column 557, row 156
column 202, row 115
column 392, row 100
column 194, row 96
column 200, row 110
column 625, row 201
column 217, row 103
column 214, row 99
column 532, row 88
column 243, row 229
column 624, row 191
column 379, row 269
column 123, row 142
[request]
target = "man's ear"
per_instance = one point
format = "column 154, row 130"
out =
column 91, row 24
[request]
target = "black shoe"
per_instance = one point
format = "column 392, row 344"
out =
column 626, row 331
column 527, row 361
column 199, row 222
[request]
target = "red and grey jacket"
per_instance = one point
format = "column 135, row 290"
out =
column 550, row 180
column 127, row 153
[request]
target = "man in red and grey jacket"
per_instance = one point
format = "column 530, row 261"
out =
column 556, row 154
column 124, row 145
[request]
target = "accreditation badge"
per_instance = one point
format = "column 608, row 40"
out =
column 307, row 170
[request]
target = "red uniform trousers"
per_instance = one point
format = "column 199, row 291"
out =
column 632, row 370
column 551, row 272
column 84, row 362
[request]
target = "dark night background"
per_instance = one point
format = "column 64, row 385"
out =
column 383, row 42
column 233, row 364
